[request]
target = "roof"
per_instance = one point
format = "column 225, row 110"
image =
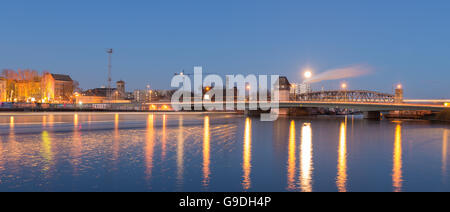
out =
column 98, row 92
column 61, row 77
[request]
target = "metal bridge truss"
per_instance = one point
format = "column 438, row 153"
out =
column 346, row 96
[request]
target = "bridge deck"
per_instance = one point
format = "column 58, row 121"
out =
column 362, row 106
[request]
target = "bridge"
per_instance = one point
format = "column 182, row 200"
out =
column 371, row 103
column 361, row 106
column 370, row 109
column 346, row 96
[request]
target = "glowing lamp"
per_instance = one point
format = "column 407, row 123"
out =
column 307, row 74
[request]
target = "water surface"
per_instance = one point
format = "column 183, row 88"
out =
column 219, row 152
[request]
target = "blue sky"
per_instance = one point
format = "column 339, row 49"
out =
column 404, row 42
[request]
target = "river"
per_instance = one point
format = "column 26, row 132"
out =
column 219, row 152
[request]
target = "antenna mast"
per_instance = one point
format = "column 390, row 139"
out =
column 108, row 91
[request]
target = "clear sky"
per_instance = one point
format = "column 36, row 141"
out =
column 402, row 41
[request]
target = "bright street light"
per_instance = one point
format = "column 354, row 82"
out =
column 307, row 74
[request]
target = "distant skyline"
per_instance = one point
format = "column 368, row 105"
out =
column 405, row 42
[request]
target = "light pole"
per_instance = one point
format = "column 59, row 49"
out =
column 149, row 93
column 108, row 92
column 307, row 75
column 344, row 88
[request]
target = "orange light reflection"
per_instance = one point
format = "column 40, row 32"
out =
column 206, row 152
column 291, row 158
column 246, row 165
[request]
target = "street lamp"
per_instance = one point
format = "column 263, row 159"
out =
column 344, row 87
column 307, row 74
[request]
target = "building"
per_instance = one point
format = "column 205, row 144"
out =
column 142, row 96
column 300, row 88
column 93, row 96
column 102, row 92
column 27, row 91
column 283, row 86
column 101, row 95
column 3, row 92
column 129, row 96
column 120, row 88
column 80, row 99
column 57, row 88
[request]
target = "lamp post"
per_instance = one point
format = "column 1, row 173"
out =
column 344, row 88
column 399, row 94
column 307, row 75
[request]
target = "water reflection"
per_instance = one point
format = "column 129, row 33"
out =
column 46, row 150
column 206, row 152
column 397, row 160
column 116, row 138
column 291, row 158
column 306, row 161
column 75, row 120
column 180, row 152
column 116, row 124
column 1, row 157
column 11, row 122
column 44, row 120
column 444, row 154
column 163, row 138
column 51, row 120
column 73, row 155
column 14, row 151
column 149, row 146
column 341, row 179
column 77, row 145
column 247, row 154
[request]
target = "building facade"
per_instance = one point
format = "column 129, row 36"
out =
column 142, row 96
column 27, row 91
column 120, row 88
column 57, row 88
column 3, row 91
column 300, row 88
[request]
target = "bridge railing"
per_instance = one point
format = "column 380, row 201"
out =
column 345, row 96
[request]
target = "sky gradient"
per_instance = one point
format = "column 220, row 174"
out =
column 404, row 42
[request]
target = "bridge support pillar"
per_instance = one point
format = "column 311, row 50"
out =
column 444, row 115
column 372, row 115
column 299, row 112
